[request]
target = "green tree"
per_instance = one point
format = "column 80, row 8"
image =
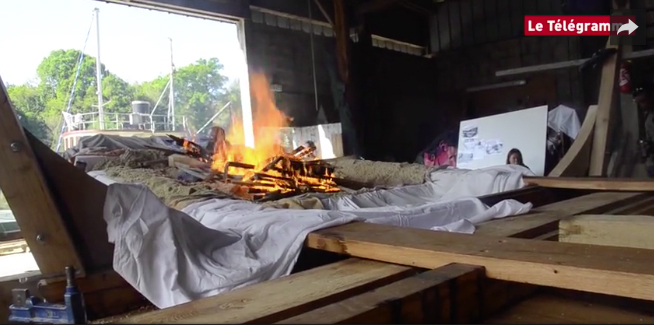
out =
column 29, row 105
column 199, row 91
column 27, row 98
column 57, row 74
column 233, row 96
column 36, row 125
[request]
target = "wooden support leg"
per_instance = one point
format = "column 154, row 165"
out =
column 30, row 199
column 608, row 94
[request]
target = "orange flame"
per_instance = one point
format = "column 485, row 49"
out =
column 267, row 120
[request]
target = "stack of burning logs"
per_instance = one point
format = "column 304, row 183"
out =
column 284, row 175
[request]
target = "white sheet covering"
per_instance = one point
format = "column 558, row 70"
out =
column 214, row 246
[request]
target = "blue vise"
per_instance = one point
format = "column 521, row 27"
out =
column 31, row 309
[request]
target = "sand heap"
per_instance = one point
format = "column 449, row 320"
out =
column 165, row 184
column 379, row 173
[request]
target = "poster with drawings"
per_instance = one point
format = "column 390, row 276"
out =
column 484, row 142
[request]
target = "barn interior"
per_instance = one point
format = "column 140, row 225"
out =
column 371, row 232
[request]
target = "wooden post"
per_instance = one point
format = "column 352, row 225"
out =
column 608, row 94
column 30, row 199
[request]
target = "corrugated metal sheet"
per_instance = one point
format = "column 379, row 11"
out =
column 466, row 23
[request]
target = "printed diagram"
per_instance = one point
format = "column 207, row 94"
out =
column 470, row 132
column 464, row 158
column 494, row 147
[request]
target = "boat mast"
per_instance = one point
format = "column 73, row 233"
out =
column 171, row 93
column 98, row 70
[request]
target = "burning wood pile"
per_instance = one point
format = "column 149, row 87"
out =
column 283, row 174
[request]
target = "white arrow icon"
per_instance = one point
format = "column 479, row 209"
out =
column 630, row 27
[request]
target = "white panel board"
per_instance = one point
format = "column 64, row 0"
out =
column 486, row 141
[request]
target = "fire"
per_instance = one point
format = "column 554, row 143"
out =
column 267, row 167
column 268, row 119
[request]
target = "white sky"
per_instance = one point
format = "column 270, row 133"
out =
column 134, row 42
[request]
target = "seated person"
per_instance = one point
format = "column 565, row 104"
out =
column 515, row 158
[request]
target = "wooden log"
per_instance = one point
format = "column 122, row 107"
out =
column 274, row 300
column 621, row 230
column 449, row 294
column 576, row 160
column 546, row 218
column 608, row 95
column 29, row 197
column 593, row 183
column 608, row 270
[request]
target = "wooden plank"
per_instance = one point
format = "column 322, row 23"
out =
column 552, row 309
column 615, row 271
column 593, row 183
column 13, row 247
column 608, row 230
column 608, row 94
column 81, row 205
column 281, row 298
column 30, row 199
column 546, row 218
column 566, row 64
column 433, row 297
column 576, row 160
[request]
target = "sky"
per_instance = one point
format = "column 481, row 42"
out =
column 134, row 42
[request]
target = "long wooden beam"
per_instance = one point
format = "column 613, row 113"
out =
column 608, row 93
column 545, row 219
column 30, row 199
column 566, row 64
column 428, row 295
column 593, row 183
column 623, row 230
column 615, row 271
column 281, row 298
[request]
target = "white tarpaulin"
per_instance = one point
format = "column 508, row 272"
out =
column 210, row 247
column 564, row 119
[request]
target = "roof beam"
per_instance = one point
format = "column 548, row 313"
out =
column 567, row 64
column 375, row 5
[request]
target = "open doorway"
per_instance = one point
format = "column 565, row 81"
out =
column 158, row 72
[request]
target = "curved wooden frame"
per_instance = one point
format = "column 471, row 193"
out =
column 576, row 161
column 29, row 197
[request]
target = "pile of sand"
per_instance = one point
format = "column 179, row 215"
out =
column 178, row 194
column 164, row 184
column 379, row 173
